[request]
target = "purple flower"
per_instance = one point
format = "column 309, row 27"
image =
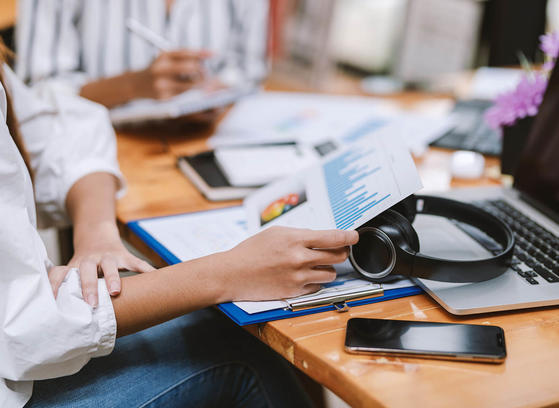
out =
column 549, row 44
column 522, row 102
column 526, row 98
column 548, row 65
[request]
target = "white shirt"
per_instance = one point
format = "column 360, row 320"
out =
column 71, row 42
column 40, row 336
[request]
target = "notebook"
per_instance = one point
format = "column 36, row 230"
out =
column 191, row 101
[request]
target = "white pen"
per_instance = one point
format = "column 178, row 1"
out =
column 148, row 35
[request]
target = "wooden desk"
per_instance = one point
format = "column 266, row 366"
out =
column 529, row 377
column 8, row 13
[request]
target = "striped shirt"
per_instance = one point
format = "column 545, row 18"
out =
column 72, row 42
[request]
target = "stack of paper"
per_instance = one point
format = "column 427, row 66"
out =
column 299, row 117
column 311, row 119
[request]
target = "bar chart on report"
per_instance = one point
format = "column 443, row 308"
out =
column 349, row 186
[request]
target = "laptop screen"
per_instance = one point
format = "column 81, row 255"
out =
column 537, row 174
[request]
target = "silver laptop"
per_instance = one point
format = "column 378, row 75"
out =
column 530, row 207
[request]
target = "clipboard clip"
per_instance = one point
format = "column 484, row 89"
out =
column 341, row 306
column 338, row 301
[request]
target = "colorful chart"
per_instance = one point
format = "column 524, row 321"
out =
column 281, row 206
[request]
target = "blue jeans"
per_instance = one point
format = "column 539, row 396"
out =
column 198, row 360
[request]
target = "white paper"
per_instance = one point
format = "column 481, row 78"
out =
column 310, row 119
column 193, row 235
column 343, row 285
column 300, row 117
column 415, row 130
column 345, row 190
column 489, row 82
column 191, row 101
column 248, row 166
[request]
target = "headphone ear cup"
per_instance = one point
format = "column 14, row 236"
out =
column 375, row 255
column 398, row 228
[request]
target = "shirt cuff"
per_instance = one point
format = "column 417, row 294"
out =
column 95, row 327
column 105, row 316
column 87, row 167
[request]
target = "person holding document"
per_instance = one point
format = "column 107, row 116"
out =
column 58, row 163
column 113, row 52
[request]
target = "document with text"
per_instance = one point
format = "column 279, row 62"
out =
column 343, row 191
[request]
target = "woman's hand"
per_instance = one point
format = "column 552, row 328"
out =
column 100, row 253
column 172, row 73
column 284, row 262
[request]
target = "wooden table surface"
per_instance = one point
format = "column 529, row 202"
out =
column 8, row 13
column 314, row 343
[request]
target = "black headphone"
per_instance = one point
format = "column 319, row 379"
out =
column 388, row 244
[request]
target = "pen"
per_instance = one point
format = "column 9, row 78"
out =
column 148, row 35
column 153, row 38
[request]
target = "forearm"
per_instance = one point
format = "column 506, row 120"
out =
column 277, row 263
column 91, row 205
column 152, row 298
column 117, row 90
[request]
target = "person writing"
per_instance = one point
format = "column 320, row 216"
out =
column 86, row 48
column 58, row 164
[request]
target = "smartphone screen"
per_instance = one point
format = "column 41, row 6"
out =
column 426, row 339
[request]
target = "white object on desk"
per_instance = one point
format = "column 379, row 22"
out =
column 193, row 235
column 490, row 82
column 247, row 166
column 309, row 119
column 301, row 117
column 191, row 101
column 466, row 165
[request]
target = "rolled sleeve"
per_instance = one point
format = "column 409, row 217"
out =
column 42, row 337
column 103, row 318
column 67, row 138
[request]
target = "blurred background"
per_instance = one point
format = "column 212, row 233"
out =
column 401, row 43
column 410, row 41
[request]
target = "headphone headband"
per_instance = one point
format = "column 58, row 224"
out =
column 428, row 267
column 410, row 262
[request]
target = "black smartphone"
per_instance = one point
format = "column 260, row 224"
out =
column 448, row 341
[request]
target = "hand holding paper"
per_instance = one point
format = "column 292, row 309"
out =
column 285, row 262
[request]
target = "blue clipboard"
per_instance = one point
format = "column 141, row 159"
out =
column 242, row 318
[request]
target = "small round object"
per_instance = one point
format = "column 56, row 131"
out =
column 374, row 256
column 466, row 165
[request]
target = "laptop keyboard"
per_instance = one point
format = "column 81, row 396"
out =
column 471, row 132
column 536, row 252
